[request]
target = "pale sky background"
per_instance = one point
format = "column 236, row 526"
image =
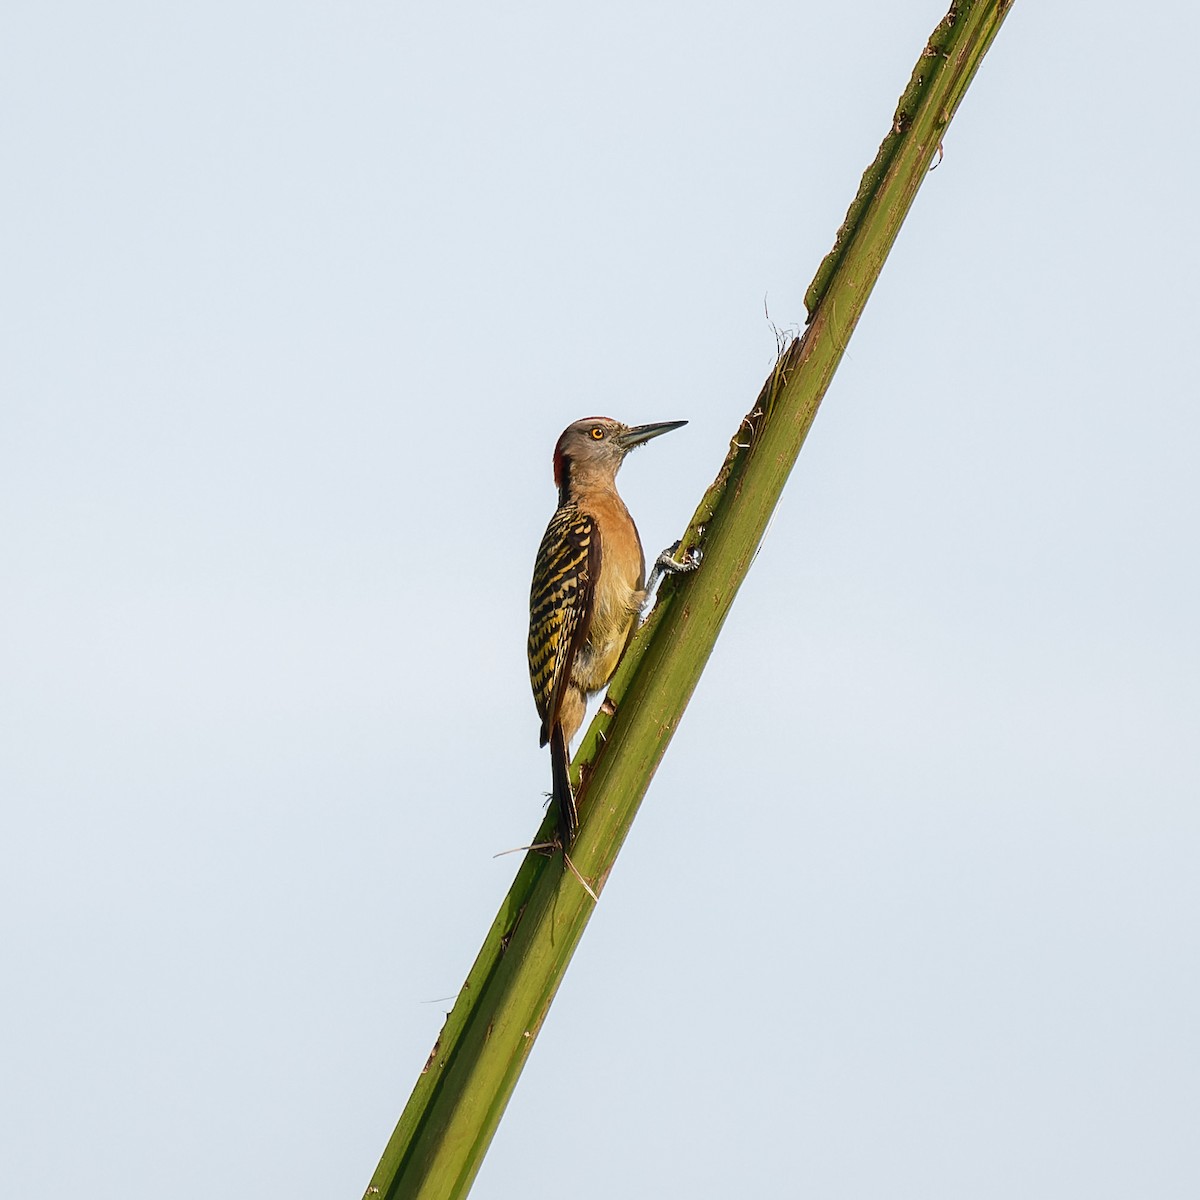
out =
column 296, row 299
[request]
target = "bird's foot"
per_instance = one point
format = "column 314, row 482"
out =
column 667, row 564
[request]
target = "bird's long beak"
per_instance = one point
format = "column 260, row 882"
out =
column 643, row 433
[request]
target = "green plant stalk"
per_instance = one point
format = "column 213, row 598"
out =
column 446, row 1127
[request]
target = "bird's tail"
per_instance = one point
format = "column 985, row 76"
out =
column 568, row 815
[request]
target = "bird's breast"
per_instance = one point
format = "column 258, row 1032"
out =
column 619, row 592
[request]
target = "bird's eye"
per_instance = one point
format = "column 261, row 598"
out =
column 597, row 432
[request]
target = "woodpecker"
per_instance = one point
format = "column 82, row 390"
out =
column 589, row 583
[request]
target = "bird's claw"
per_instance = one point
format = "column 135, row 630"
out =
column 668, row 564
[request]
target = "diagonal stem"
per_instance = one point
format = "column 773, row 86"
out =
column 460, row 1096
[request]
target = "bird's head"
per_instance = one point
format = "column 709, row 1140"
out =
column 596, row 446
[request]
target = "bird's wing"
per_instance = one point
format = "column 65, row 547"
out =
column 560, row 606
